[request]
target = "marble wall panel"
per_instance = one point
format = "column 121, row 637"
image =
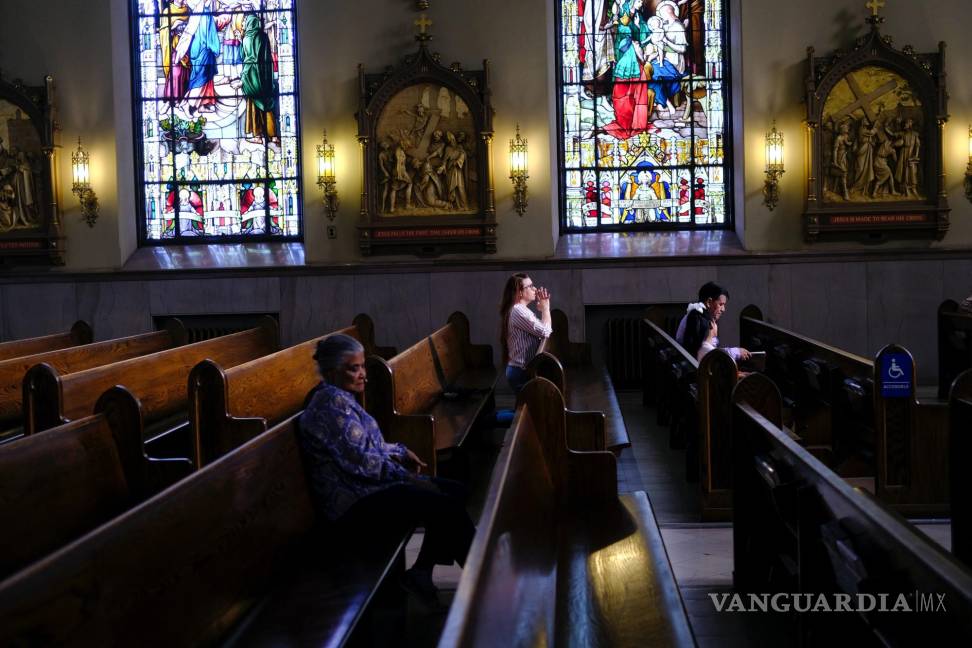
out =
column 651, row 285
column 115, row 308
column 902, row 299
column 313, row 306
column 779, row 310
column 215, row 296
column 956, row 279
column 399, row 304
column 830, row 304
column 477, row 295
column 31, row 310
column 567, row 293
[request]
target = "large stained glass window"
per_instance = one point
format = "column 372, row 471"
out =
column 216, row 113
column 644, row 101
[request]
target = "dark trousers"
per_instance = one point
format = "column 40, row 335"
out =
column 438, row 505
column 517, row 377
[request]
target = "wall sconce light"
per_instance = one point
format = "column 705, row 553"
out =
column 81, row 186
column 325, row 177
column 774, row 167
column 519, row 171
column 968, row 170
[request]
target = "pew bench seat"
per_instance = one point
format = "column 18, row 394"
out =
column 559, row 558
column 590, row 389
column 630, row 602
column 321, row 599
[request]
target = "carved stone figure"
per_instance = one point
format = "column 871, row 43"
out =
column 838, row 160
column 909, row 159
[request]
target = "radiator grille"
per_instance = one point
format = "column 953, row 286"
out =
column 624, row 345
column 207, row 327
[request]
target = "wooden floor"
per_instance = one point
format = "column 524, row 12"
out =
column 701, row 554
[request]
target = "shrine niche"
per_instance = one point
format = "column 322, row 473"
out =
column 426, row 135
column 30, row 226
column 875, row 117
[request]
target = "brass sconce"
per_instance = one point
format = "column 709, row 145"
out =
column 81, row 185
column 325, row 178
column 774, row 167
column 519, row 171
column 968, row 170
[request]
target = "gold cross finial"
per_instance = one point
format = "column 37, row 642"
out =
column 423, row 23
column 875, row 6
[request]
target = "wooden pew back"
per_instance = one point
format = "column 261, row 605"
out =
column 830, row 391
column 181, row 568
column 80, row 333
column 79, row 358
column 585, row 387
column 157, row 380
column 798, row 527
column 430, row 396
column 59, row 485
column 229, row 407
column 954, row 344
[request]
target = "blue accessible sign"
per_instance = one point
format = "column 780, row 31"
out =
column 896, row 371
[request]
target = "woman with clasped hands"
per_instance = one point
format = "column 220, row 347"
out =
column 520, row 330
column 369, row 487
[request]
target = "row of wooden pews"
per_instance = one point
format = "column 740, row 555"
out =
column 433, row 395
column 559, row 558
column 895, row 447
column 80, row 333
column 584, row 387
column 693, row 399
column 102, row 477
column 800, row 529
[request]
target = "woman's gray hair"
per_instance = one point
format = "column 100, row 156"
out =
column 332, row 350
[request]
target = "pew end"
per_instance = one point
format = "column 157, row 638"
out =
column 42, row 399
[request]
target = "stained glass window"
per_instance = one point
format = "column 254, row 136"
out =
column 644, row 103
column 216, row 105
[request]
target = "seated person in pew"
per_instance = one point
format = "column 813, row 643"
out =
column 520, row 330
column 368, row 486
column 712, row 304
column 966, row 305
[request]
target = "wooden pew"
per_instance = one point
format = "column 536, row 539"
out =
column 228, row 407
column 954, row 344
column 79, row 358
column 799, row 528
column 894, row 447
column 960, row 477
column 157, row 380
column 696, row 398
column 559, row 558
column 585, row 387
column 229, row 553
column 433, row 394
column 80, row 333
column 59, row 485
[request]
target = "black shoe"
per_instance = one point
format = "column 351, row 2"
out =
column 418, row 583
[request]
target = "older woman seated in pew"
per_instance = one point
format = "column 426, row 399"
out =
column 372, row 488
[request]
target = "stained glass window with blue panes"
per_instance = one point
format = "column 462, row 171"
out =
column 216, row 109
column 644, row 107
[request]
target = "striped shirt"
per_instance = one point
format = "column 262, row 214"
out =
column 525, row 333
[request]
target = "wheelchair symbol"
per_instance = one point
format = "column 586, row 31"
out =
column 894, row 371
